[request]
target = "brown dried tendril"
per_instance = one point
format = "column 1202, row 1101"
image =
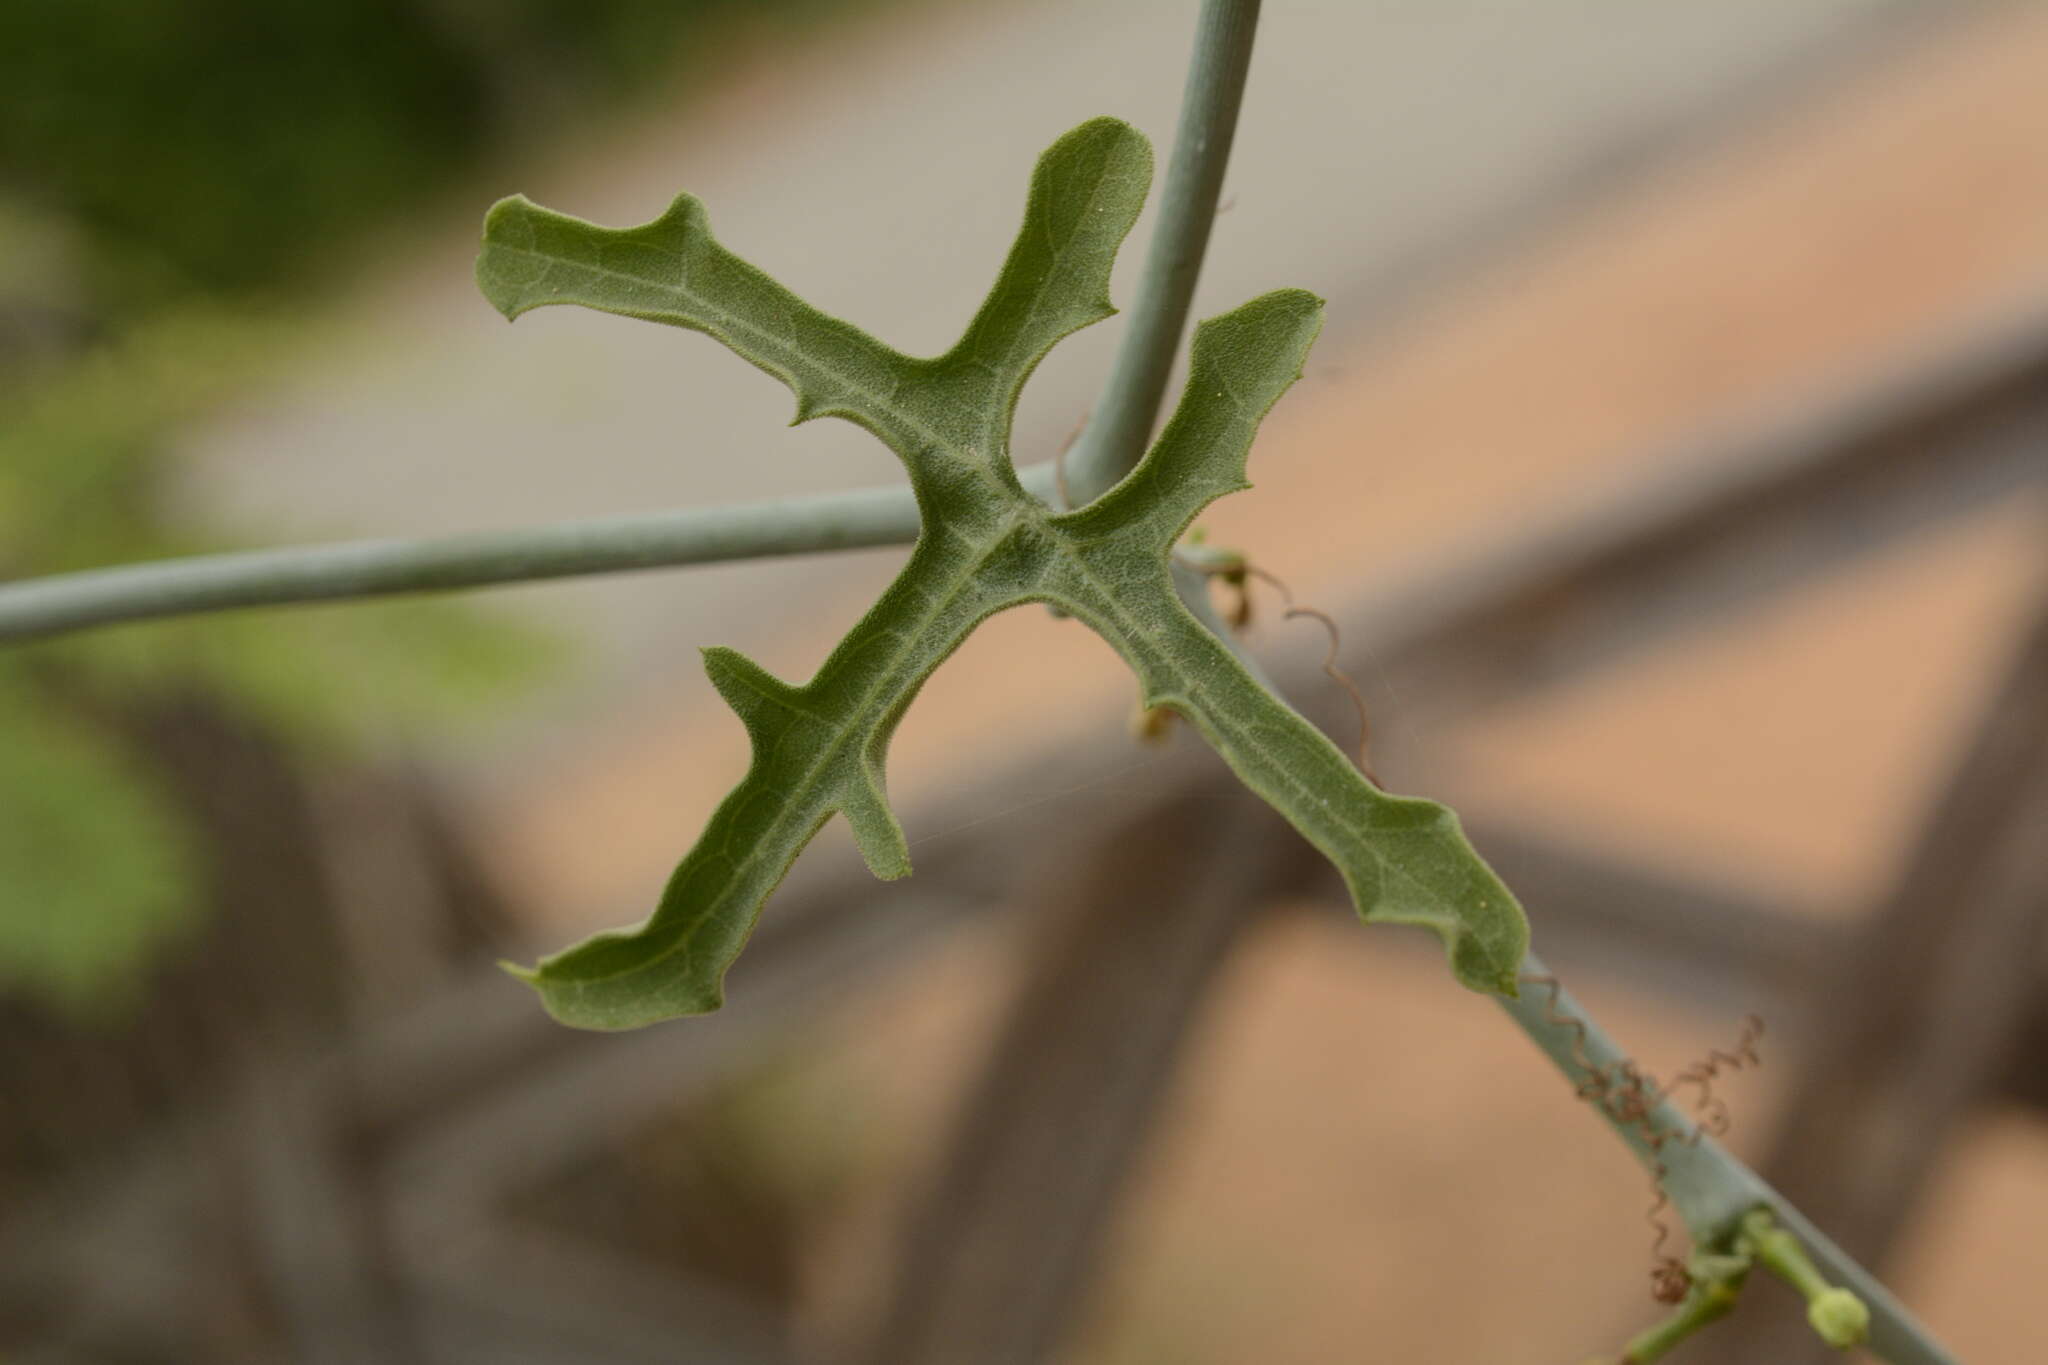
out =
column 1629, row 1097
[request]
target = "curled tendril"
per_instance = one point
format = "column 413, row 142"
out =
column 1234, row 570
column 1289, row 610
column 1629, row 1097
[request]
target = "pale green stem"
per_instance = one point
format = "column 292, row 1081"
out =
column 1838, row 1316
column 1121, row 426
column 1781, row 1253
column 850, row 520
column 1711, row 1298
column 1710, row 1188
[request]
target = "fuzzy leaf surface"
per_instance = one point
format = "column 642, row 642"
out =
column 819, row 748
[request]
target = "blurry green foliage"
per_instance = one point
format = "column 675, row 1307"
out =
column 209, row 145
column 165, row 167
column 218, row 143
column 96, row 860
column 97, row 866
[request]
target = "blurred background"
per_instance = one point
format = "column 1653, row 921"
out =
column 1673, row 460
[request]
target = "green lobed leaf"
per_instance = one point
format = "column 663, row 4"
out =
column 819, row 748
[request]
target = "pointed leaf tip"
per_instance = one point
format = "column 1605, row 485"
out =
column 1240, row 363
column 765, row 704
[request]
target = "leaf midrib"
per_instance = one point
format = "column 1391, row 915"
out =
column 736, row 326
column 806, row 788
column 1156, row 659
column 1240, row 745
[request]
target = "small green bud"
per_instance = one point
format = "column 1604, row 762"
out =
column 1839, row 1317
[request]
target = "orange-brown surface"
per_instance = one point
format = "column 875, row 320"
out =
column 1363, row 1164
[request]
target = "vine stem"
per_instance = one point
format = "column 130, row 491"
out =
column 1121, row 427
column 1710, row 1188
column 377, row 568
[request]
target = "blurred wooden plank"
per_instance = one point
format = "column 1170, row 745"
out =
column 998, row 1254
column 1927, row 1006
column 521, row 1294
column 1955, row 427
column 1707, row 946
